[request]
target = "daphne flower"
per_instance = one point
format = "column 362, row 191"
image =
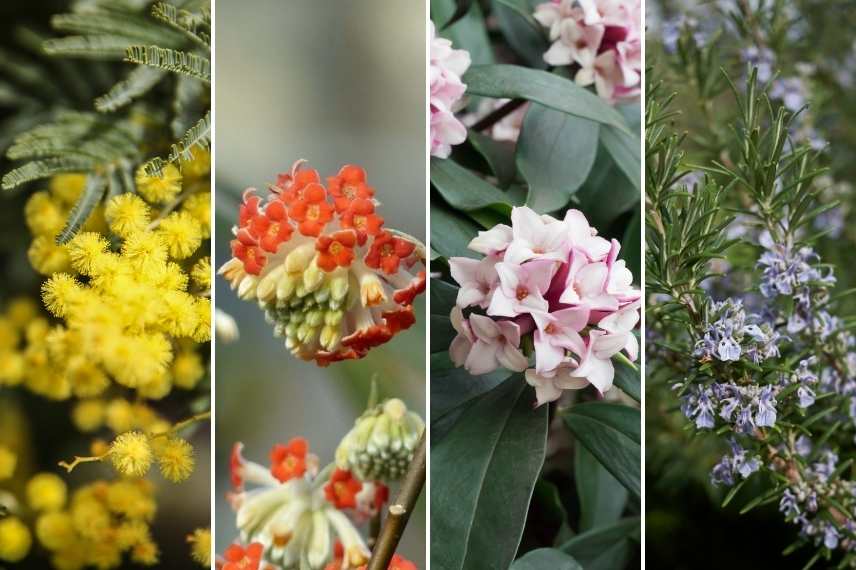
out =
column 477, row 278
column 556, row 333
column 549, row 386
column 493, row 241
column 446, row 67
column 535, row 237
column 521, row 288
column 496, row 344
column 463, row 341
column 337, row 286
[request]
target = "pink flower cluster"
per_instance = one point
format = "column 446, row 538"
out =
column 602, row 39
column 446, row 68
column 555, row 279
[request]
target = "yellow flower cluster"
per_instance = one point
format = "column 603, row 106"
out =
column 102, row 522
column 131, row 290
column 200, row 546
column 132, row 453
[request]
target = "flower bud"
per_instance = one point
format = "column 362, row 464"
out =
column 380, row 446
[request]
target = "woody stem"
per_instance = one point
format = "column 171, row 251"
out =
column 400, row 510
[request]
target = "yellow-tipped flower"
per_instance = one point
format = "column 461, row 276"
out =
column 8, row 461
column 46, row 492
column 159, row 189
column 199, row 206
column 131, row 454
column 127, row 214
column 87, row 250
column 47, row 257
column 201, row 273
column 67, row 187
column 187, row 370
column 59, row 292
column 88, row 415
column 55, row 530
column 175, row 458
column 44, row 215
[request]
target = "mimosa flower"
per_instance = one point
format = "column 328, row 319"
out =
column 339, row 285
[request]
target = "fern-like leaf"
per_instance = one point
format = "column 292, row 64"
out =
column 189, row 103
column 93, row 47
column 198, row 136
column 191, row 25
column 40, row 169
column 92, row 194
column 138, row 29
column 120, row 180
column 171, row 60
column 138, row 83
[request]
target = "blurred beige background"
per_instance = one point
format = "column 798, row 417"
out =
column 333, row 82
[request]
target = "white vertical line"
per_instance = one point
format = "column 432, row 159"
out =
column 212, row 365
column 427, row 139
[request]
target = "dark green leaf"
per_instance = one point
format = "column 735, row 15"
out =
column 443, row 297
column 482, row 475
column 462, row 9
column 451, row 232
column 468, row 33
column 611, row 433
column 442, row 333
column 625, row 151
column 607, row 193
column 452, row 386
column 464, row 190
column 546, row 559
column 627, row 378
column 515, row 82
column 499, row 156
column 604, row 548
column 522, row 32
column 555, row 154
column 602, row 497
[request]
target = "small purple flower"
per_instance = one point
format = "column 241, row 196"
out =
column 766, row 416
column 806, row 396
column 788, row 505
column 762, row 58
column 830, row 537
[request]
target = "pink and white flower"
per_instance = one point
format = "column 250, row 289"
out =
column 556, row 280
column 600, row 39
column 447, row 65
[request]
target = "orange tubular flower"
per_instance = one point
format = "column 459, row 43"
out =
column 336, row 250
column 289, row 461
column 342, row 489
column 387, row 252
column 240, row 558
column 339, row 285
column 311, row 211
column 349, row 185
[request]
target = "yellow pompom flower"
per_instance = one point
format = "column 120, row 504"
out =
column 199, row 165
column 120, row 416
column 187, row 370
column 67, row 187
column 201, row 546
column 15, row 540
column 131, row 499
column 145, row 553
column 181, row 233
column 46, row 256
column 131, row 454
column 46, row 492
column 201, row 273
column 127, row 214
column 22, row 310
column 88, row 415
column 199, row 206
column 44, row 215
column 203, row 325
column 159, row 189
column 86, row 250
column 86, row 378
column 175, row 458
column 59, row 292
column 132, row 532
column 156, row 388
column 8, row 461
column 72, row 557
column 12, row 367
column 55, row 530
column 147, row 253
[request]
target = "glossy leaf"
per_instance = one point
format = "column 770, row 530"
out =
column 555, row 154
column 499, row 156
column 604, row 548
column 468, row 33
column 607, row 193
column 602, row 497
column 443, row 297
column 626, row 151
column 522, row 32
column 627, row 377
column 464, row 190
column 451, row 232
column 482, row 476
column 546, row 559
column 611, row 433
column 452, row 386
column 515, row 82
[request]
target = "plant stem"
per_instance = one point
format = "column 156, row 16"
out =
column 497, row 115
column 400, row 510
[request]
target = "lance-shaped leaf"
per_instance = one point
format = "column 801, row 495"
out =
column 482, row 474
column 611, row 433
column 451, row 232
column 464, row 190
column 606, row 547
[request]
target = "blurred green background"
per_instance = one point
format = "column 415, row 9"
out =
column 334, row 83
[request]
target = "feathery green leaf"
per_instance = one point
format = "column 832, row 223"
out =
column 92, row 194
column 171, row 60
column 138, row 82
